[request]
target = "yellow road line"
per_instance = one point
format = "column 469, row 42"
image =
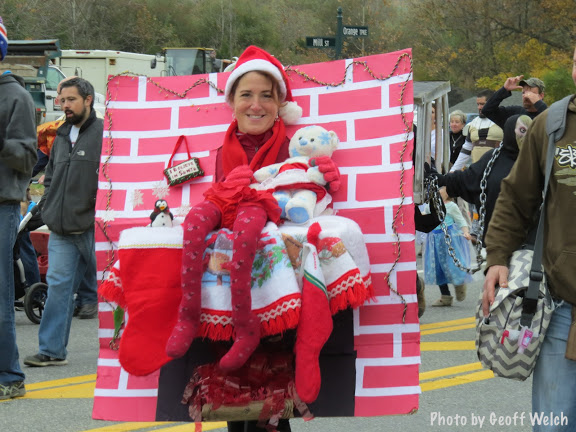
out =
column 448, row 346
column 450, row 371
column 441, row 324
column 447, row 329
column 61, row 382
column 458, row 380
column 187, row 428
column 141, row 426
column 129, row 426
column 76, row 391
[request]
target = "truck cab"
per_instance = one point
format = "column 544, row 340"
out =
column 192, row 61
column 33, row 60
column 37, row 89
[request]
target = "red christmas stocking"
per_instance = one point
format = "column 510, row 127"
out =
column 247, row 228
column 150, row 281
column 198, row 223
column 315, row 325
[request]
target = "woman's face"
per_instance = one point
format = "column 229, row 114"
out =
column 254, row 104
column 456, row 124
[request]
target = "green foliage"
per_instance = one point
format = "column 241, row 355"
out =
column 559, row 83
column 265, row 262
column 533, row 59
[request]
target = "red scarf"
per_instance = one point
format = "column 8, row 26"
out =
column 233, row 154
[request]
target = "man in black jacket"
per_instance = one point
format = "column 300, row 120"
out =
column 17, row 157
column 532, row 100
column 467, row 184
column 68, row 208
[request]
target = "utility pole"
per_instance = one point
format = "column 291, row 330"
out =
column 339, row 34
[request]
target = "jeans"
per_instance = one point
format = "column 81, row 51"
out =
column 88, row 290
column 9, row 365
column 553, row 385
column 29, row 258
column 444, row 290
column 69, row 257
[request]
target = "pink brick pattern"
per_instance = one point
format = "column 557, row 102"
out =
column 146, row 117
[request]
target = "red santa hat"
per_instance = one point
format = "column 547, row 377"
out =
column 256, row 59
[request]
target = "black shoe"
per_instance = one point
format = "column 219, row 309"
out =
column 41, row 360
column 420, row 296
column 88, row 311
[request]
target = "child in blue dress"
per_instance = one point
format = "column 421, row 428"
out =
column 439, row 267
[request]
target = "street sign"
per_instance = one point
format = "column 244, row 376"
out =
column 320, row 42
column 356, row 31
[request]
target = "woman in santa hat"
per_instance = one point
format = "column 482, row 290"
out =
column 259, row 94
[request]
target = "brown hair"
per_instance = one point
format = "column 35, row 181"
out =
column 275, row 89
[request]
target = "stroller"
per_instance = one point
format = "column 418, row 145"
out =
column 31, row 298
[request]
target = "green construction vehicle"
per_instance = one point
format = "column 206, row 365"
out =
column 31, row 59
column 192, row 61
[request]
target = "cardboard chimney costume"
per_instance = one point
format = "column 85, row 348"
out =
column 332, row 270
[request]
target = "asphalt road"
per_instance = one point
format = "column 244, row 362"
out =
column 457, row 394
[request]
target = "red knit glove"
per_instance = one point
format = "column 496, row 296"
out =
column 331, row 173
column 239, row 176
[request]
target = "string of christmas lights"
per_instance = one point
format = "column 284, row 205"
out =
column 398, row 215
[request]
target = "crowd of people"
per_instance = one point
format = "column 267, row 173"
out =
column 507, row 142
column 487, row 151
column 503, row 158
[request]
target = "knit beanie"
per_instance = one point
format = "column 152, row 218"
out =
column 256, row 59
column 3, row 40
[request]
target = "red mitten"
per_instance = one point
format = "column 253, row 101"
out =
column 150, row 277
column 239, row 176
column 315, row 325
column 331, row 173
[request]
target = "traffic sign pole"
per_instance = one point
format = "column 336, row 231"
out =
column 341, row 31
column 339, row 34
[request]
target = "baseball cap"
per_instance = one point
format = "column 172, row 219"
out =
column 533, row 82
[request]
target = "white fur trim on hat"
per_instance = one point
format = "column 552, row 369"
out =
column 251, row 66
column 290, row 112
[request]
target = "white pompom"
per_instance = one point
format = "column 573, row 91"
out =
column 290, row 113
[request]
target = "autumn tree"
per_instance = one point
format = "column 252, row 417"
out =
column 471, row 43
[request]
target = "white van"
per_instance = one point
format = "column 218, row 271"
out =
column 53, row 109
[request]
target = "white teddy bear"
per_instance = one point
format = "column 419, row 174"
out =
column 299, row 187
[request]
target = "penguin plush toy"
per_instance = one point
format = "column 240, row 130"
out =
column 161, row 216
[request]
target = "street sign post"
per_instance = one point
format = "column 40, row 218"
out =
column 320, row 42
column 341, row 32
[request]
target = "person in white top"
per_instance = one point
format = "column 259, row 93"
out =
column 483, row 135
